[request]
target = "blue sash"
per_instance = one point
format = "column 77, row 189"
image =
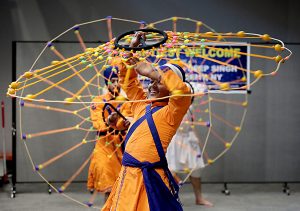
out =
column 160, row 197
column 137, row 123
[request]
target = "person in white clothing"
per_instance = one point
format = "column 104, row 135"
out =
column 184, row 153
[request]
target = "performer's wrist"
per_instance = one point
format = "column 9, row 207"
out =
column 155, row 75
column 130, row 59
column 127, row 55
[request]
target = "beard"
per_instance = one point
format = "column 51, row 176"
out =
column 115, row 91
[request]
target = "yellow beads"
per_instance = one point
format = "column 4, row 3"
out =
column 245, row 104
column 11, row 91
column 278, row 47
column 28, row 75
column 186, row 170
column 14, row 85
column 186, row 41
column 199, row 23
column 89, row 50
column 210, row 161
column 120, row 98
column 69, row 100
column 265, row 37
column 227, row 145
column 237, row 129
column 54, row 62
column 278, row 59
column 151, row 25
column 225, row 86
column 29, row 97
column 219, row 37
column 258, row 74
column 241, row 34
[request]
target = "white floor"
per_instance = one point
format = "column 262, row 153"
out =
column 256, row 197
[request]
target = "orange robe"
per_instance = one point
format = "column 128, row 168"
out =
column 129, row 193
column 107, row 155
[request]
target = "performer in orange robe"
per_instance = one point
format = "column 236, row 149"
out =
column 107, row 155
column 145, row 183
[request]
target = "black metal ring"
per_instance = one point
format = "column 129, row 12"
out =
column 147, row 47
column 116, row 110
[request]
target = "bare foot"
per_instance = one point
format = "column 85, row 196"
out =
column 204, row 202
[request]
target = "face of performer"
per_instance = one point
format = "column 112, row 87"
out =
column 157, row 90
column 114, row 86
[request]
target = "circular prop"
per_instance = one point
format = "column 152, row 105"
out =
column 55, row 94
column 108, row 107
column 155, row 38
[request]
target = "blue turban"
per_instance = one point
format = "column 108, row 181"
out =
column 176, row 69
column 109, row 73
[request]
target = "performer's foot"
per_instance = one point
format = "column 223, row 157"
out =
column 204, row 202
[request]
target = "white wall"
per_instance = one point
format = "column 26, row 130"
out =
column 42, row 20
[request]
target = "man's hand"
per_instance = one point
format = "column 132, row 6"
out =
column 146, row 69
column 142, row 68
column 112, row 119
column 136, row 41
column 126, row 123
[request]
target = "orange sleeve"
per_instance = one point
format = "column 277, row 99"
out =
column 126, row 109
column 96, row 114
column 178, row 105
column 132, row 86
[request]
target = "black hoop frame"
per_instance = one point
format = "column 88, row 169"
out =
column 147, row 47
